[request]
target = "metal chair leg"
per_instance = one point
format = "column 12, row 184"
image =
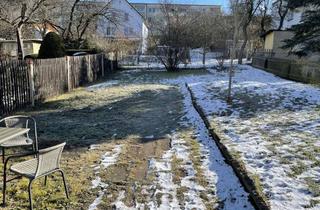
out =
column 64, row 183
column 45, row 180
column 30, row 194
column 34, row 150
column 4, row 187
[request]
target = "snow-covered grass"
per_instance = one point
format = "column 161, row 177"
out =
column 220, row 176
column 273, row 125
column 192, row 174
column 195, row 62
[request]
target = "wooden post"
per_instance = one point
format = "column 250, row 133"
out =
column 89, row 70
column 102, row 65
column 31, row 81
column 68, row 74
column 111, row 65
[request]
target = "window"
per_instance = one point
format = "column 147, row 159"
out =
column 126, row 31
column 111, row 31
column 152, row 10
column 290, row 15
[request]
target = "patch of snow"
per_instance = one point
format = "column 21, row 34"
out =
column 108, row 159
column 164, row 179
column 149, row 137
column 94, row 146
column 97, row 201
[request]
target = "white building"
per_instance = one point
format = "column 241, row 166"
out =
column 129, row 24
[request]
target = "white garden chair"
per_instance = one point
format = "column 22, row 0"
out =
column 20, row 121
column 47, row 161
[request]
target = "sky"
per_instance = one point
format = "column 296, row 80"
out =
column 223, row 3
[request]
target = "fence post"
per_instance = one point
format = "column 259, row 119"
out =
column 111, row 65
column 31, row 81
column 102, row 65
column 69, row 74
column 89, row 70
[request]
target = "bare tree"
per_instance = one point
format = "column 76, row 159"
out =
column 236, row 14
column 18, row 13
column 81, row 16
column 263, row 14
column 204, row 32
column 172, row 34
column 281, row 9
column 248, row 10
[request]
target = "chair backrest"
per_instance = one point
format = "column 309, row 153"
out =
column 21, row 121
column 49, row 159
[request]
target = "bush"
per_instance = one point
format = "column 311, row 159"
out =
column 52, row 46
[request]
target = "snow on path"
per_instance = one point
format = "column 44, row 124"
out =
column 164, row 178
column 108, row 159
column 220, row 176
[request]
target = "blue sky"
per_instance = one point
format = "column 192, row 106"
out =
column 224, row 3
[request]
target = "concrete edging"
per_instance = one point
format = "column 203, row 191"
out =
column 247, row 182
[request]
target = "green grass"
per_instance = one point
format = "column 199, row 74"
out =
column 297, row 169
column 313, row 186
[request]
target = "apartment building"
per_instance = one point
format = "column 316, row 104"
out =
column 152, row 10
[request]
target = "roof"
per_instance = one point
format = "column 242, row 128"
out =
column 271, row 31
column 178, row 4
column 135, row 10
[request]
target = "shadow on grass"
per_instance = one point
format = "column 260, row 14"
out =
column 146, row 114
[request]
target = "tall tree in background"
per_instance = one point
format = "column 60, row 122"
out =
column 264, row 17
column 18, row 13
column 173, row 35
column 80, row 16
column 248, row 10
column 307, row 32
column 204, row 32
column 282, row 8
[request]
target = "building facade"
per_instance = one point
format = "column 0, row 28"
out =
column 129, row 24
column 152, row 10
column 8, row 48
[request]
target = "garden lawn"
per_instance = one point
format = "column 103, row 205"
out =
column 132, row 143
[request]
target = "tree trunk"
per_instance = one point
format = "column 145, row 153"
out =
column 204, row 57
column 243, row 46
column 233, row 55
column 20, row 49
column 281, row 23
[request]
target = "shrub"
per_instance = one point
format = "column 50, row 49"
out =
column 52, row 46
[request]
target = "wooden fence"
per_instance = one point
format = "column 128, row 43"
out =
column 24, row 82
column 14, row 86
